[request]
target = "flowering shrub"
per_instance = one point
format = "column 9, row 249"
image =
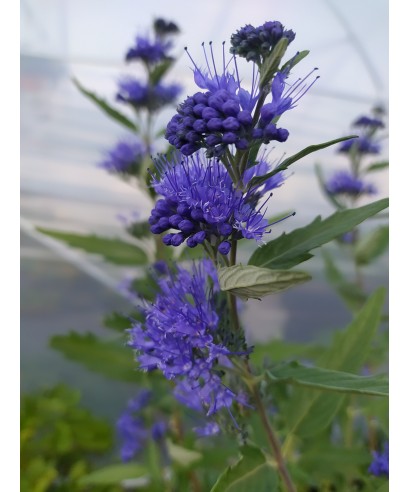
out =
column 211, row 393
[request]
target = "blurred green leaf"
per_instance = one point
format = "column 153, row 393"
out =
column 258, row 180
column 111, row 359
column 372, row 245
column 113, row 250
column 293, row 248
column 328, row 380
column 253, row 472
column 377, row 166
column 160, row 70
column 117, row 321
column 351, row 294
column 139, row 229
column 182, row 456
column 309, row 413
column 106, row 108
column 254, row 282
column 114, row 474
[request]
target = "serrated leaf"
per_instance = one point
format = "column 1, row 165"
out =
column 258, row 180
column 111, row 359
column 351, row 294
column 114, row 474
column 106, row 108
column 294, row 60
column 329, row 380
column 254, row 282
column 293, row 248
column 182, row 456
column 251, row 473
column 309, row 413
column 372, row 245
column 271, row 64
column 113, row 250
column 377, row 166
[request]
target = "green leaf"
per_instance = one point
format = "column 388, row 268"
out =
column 351, row 294
column 254, row 282
column 271, row 64
column 329, row 380
column 294, row 60
column 106, row 108
column 113, row 250
column 253, row 472
column 111, row 359
column 377, row 166
column 160, row 70
column 114, row 474
column 119, row 322
column 372, row 245
column 384, row 487
column 291, row 249
column 258, row 180
column 309, row 413
column 182, row 456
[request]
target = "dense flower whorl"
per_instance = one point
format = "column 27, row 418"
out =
column 125, row 157
column 344, row 183
column 201, row 202
column 146, row 96
column 380, row 464
column 256, row 43
column 366, row 121
column 362, row 145
column 149, row 51
column 180, row 337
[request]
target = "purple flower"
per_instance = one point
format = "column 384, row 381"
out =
column 181, row 338
column 125, row 157
column 149, row 51
column 366, row 121
column 201, row 202
column 164, row 28
column 380, row 464
column 345, row 183
column 145, row 96
column 256, row 43
column 362, row 145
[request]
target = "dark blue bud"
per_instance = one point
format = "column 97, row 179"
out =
column 164, row 222
column 152, row 220
column 215, row 102
column 231, row 124
column 192, row 137
column 197, row 214
column 289, row 35
column 188, row 121
column 198, row 108
column 191, row 243
column 231, row 108
column 214, row 124
column 245, row 117
column 183, row 210
column 174, row 220
column 200, row 237
column 224, row 247
column 270, row 131
column 186, row 226
column 212, row 140
column 167, row 239
column 209, row 113
column 157, row 229
column 200, row 126
column 282, row 135
column 162, row 207
column 242, row 144
column 229, row 138
column 257, row 133
column 177, row 239
column 224, row 229
column 200, row 98
column 189, row 148
column 267, row 112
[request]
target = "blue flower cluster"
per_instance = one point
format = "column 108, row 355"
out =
column 125, row 157
column 201, row 202
column 164, row 28
column 363, row 145
column 366, row 121
column 226, row 113
column 132, row 428
column 380, row 464
column 256, row 43
column 180, row 337
column 149, row 51
column 146, row 96
column 343, row 182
